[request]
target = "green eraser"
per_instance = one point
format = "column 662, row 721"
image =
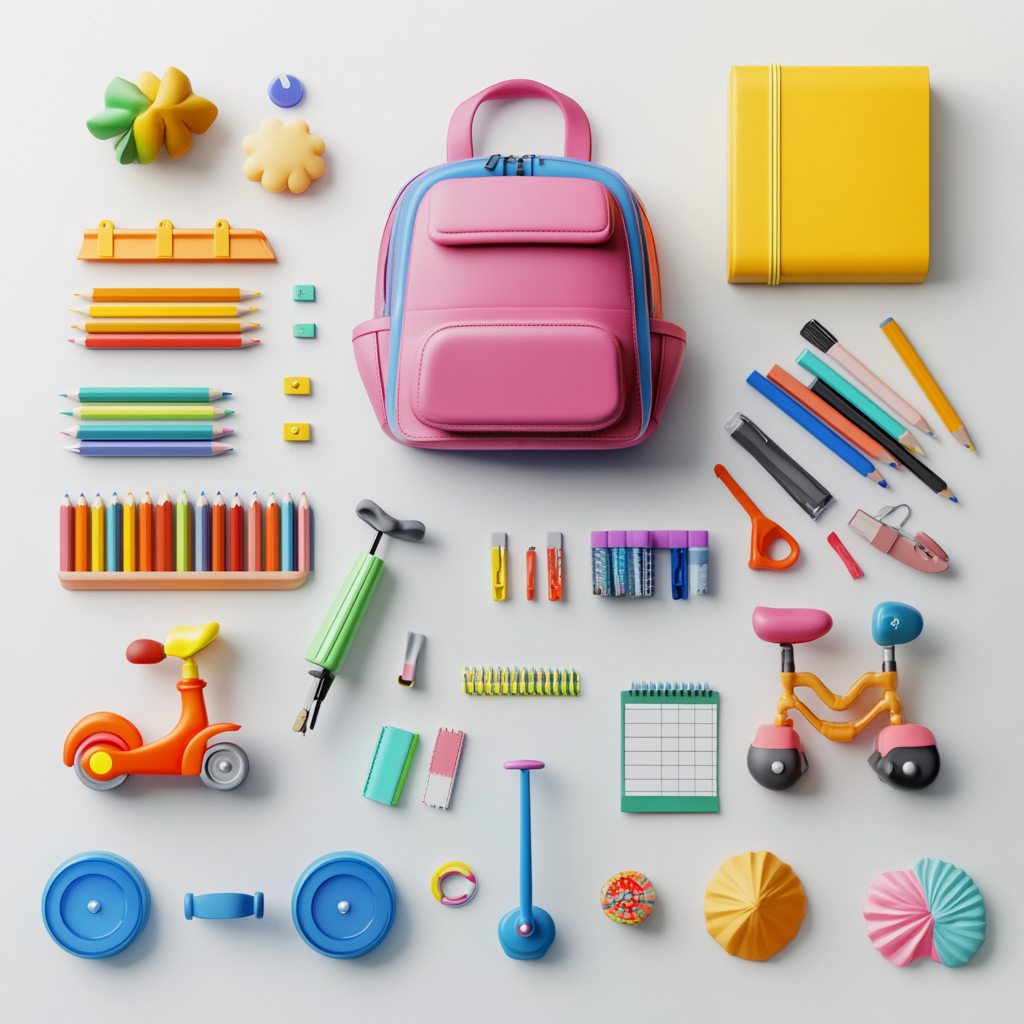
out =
column 390, row 765
column 303, row 292
column 304, row 331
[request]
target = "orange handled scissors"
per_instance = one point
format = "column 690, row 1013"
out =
column 762, row 530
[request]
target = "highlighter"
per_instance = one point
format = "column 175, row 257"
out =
column 499, row 543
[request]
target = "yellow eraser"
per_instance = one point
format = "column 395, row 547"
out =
column 296, row 431
column 296, row 385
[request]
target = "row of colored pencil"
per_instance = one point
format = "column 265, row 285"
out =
column 182, row 537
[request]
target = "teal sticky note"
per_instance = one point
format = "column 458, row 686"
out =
column 303, row 293
column 390, row 765
column 304, row 331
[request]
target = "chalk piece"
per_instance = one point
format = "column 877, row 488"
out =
column 296, row 431
column 296, row 385
column 304, row 331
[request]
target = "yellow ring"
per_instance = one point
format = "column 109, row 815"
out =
column 452, row 867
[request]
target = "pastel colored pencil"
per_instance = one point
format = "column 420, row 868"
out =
column 840, row 424
column 918, row 468
column 914, row 363
column 139, row 309
column 129, row 558
column 82, row 549
column 254, row 535
column 148, row 448
column 163, row 547
column 824, row 340
column 114, row 431
column 165, row 295
column 115, row 534
column 183, row 534
column 821, row 431
column 288, row 534
column 812, row 364
column 154, row 411
column 163, row 327
column 218, row 534
column 273, row 534
column 203, row 558
column 98, row 534
column 120, row 395
column 144, row 339
column 67, row 535
column 304, row 545
column 236, row 557
column 146, row 533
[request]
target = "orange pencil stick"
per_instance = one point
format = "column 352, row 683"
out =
column 81, row 534
column 218, row 526
column 164, row 546
column 273, row 535
column 254, row 540
column 145, row 517
column 304, row 562
column 236, row 550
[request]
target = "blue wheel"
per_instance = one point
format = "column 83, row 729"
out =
column 95, row 905
column 343, row 905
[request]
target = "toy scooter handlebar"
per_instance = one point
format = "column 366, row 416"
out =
column 895, row 623
column 145, row 652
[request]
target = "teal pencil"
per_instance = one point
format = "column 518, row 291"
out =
column 183, row 534
column 85, row 395
column 288, row 534
column 147, row 431
column 810, row 362
column 115, row 535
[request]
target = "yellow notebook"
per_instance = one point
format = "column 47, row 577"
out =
column 828, row 175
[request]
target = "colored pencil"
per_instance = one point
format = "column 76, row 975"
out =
column 67, row 535
column 148, row 448
column 305, row 552
column 827, row 342
column 115, row 535
column 143, row 339
column 932, row 391
column 218, row 536
column 165, row 295
column 119, row 395
column 825, row 434
column 163, row 327
column 236, row 560
column 129, row 559
column 288, row 534
column 183, row 431
column 840, row 424
column 918, row 468
column 812, row 364
column 273, row 534
column 182, row 534
column 254, row 535
column 203, row 559
column 154, row 411
column 143, row 310
column 98, row 534
column 82, row 550
column 163, row 560
column 146, row 533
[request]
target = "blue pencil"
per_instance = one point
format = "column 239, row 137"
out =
column 204, row 537
column 115, row 535
column 288, row 534
column 148, row 448
column 824, row 433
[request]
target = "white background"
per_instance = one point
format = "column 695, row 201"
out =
column 382, row 81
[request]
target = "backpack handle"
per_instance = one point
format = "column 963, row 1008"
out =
column 460, row 128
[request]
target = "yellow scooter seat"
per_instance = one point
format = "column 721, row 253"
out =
column 187, row 641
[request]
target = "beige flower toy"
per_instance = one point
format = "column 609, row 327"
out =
column 283, row 156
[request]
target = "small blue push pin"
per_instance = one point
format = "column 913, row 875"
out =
column 285, row 91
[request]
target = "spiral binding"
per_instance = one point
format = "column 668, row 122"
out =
column 661, row 689
column 521, row 682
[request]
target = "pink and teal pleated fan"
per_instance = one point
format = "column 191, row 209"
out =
column 934, row 911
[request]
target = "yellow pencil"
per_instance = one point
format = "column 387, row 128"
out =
column 163, row 326
column 178, row 309
column 129, row 561
column 913, row 362
column 98, row 529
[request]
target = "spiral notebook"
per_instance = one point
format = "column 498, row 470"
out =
column 669, row 747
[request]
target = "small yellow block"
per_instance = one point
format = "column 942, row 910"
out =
column 296, row 431
column 296, row 385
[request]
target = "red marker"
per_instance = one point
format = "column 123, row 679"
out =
column 531, row 568
column 554, row 567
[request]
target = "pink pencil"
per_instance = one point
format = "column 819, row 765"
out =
column 304, row 546
column 67, row 535
column 254, row 547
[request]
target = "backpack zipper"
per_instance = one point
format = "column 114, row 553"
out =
column 495, row 158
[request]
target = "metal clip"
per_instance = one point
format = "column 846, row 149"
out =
column 919, row 551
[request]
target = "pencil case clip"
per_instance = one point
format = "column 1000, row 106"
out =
column 919, row 551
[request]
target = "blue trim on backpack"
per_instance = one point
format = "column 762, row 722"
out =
column 400, row 246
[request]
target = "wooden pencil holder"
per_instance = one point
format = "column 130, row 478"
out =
column 287, row 580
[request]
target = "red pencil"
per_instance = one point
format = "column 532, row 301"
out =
column 303, row 562
column 218, row 522
column 145, row 517
column 81, row 534
column 254, row 535
column 164, row 534
column 164, row 341
column 273, row 535
column 237, row 550
column 67, row 535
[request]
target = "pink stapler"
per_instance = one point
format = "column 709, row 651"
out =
column 919, row 552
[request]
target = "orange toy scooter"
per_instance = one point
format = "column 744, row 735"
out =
column 105, row 748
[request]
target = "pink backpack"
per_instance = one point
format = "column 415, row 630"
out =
column 518, row 301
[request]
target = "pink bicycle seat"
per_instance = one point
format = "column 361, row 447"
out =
column 790, row 625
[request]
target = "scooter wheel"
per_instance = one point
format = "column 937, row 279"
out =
column 776, row 768
column 110, row 740
column 907, row 767
column 225, row 766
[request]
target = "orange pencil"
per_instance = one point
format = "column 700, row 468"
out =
column 164, row 556
column 254, row 540
column 81, row 534
column 145, row 517
column 67, row 535
column 273, row 535
column 237, row 539
column 305, row 549
column 836, row 420
column 218, row 522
